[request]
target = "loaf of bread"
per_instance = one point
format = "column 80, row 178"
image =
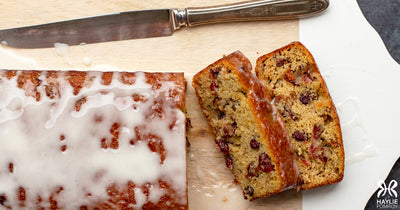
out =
column 248, row 129
column 299, row 91
column 92, row 140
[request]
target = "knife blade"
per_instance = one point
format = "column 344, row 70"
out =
column 154, row 23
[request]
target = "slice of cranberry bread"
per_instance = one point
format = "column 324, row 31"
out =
column 303, row 100
column 248, row 128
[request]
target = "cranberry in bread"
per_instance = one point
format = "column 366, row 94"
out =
column 248, row 129
column 92, row 140
column 302, row 98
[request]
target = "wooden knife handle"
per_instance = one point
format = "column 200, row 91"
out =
column 248, row 11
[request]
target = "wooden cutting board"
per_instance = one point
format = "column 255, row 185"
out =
column 210, row 184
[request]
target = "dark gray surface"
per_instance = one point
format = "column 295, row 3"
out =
column 384, row 16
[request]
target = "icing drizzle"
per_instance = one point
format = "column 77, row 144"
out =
column 75, row 139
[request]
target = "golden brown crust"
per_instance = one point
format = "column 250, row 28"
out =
column 302, row 97
column 265, row 115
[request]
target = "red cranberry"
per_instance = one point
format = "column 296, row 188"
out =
column 229, row 162
column 223, row 146
column 306, row 97
column 317, row 152
column 254, row 144
column 324, row 159
column 215, row 72
column 290, row 77
column 229, row 130
column 300, row 136
column 307, row 74
column 316, row 149
column 264, row 163
column 317, row 131
column 279, row 62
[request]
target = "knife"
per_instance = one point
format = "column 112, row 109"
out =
column 154, row 23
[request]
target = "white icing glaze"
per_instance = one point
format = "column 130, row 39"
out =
column 351, row 107
column 30, row 138
column 87, row 61
column 62, row 50
column 367, row 152
column 358, row 147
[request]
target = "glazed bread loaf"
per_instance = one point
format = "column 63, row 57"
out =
column 248, row 129
column 92, row 140
column 302, row 98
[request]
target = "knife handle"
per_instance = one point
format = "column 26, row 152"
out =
column 248, row 11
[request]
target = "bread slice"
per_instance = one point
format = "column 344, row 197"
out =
column 248, row 129
column 302, row 98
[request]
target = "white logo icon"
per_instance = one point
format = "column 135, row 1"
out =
column 389, row 189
